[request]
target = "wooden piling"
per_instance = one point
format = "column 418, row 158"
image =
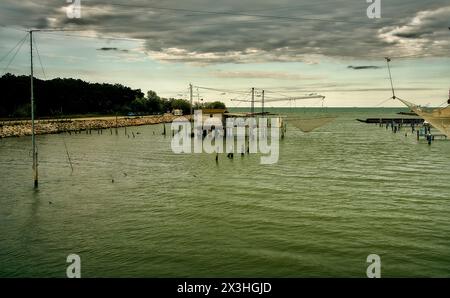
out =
column 117, row 132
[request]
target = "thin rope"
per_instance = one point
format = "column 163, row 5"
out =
column 15, row 54
column 39, row 57
column 382, row 102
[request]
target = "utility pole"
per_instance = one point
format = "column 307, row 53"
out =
column 33, row 134
column 253, row 101
column 262, row 99
column 190, row 97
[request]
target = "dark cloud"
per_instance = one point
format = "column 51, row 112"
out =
column 112, row 49
column 108, row 49
column 411, row 34
column 363, row 67
column 236, row 31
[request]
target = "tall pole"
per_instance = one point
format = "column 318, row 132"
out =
column 262, row 101
column 253, row 101
column 190, row 97
column 33, row 135
column 390, row 77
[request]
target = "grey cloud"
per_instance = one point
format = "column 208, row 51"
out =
column 209, row 38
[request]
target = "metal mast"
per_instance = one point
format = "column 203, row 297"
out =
column 253, row 101
column 190, row 97
column 33, row 134
column 262, row 99
column 390, row 77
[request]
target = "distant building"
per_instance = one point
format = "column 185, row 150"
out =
column 177, row 112
column 217, row 114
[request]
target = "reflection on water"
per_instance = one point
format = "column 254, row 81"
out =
column 133, row 208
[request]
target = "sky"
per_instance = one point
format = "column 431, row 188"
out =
column 289, row 48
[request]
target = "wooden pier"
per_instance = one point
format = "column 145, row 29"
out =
column 392, row 120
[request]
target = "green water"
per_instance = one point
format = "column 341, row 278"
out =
column 336, row 195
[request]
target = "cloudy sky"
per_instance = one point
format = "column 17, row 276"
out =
column 287, row 47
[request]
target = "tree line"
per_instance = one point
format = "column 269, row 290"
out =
column 67, row 96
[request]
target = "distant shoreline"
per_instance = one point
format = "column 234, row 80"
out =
column 14, row 128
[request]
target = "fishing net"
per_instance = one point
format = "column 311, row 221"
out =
column 439, row 118
column 310, row 124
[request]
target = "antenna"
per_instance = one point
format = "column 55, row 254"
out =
column 390, row 76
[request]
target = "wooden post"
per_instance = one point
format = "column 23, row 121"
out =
column 117, row 132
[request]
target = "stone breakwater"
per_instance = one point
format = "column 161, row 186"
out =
column 23, row 128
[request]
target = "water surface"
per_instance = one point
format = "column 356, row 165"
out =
column 336, row 195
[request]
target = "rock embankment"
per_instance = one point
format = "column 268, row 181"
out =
column 23, row 128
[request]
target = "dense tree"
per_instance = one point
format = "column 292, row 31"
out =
column 210, row 105
column 215, row 105
column 73, row 96
column 181, row 104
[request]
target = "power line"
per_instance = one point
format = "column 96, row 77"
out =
column 269, row 91
column 94, row 37
column 14, row 28
column 308, row 5
column 227, row 13
column 12, row 49
column 15, row 54
column 222, row 90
